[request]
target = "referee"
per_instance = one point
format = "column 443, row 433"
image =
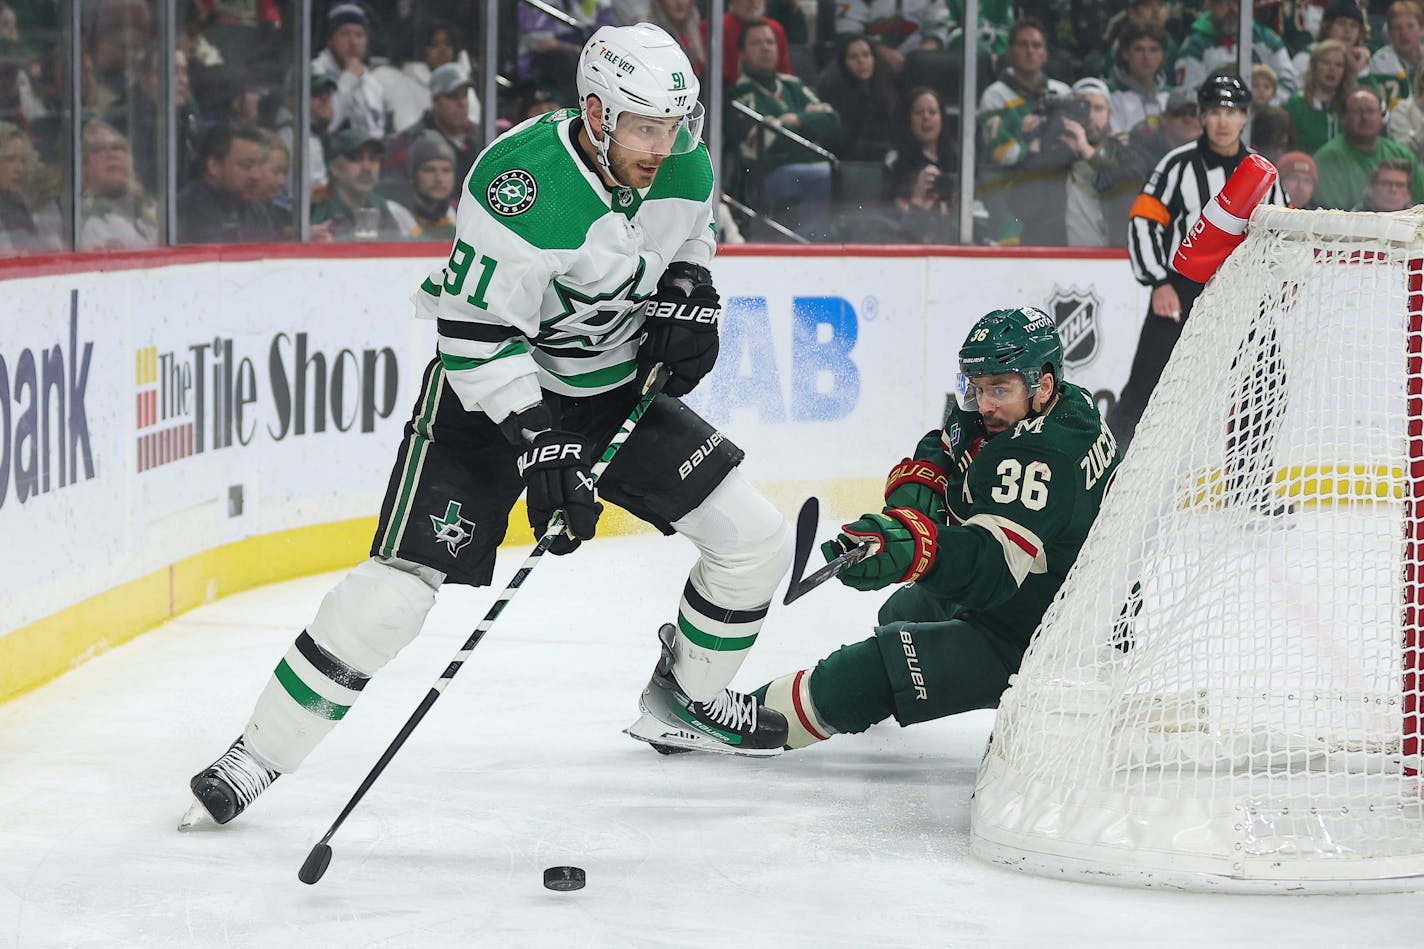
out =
column 1184, row 180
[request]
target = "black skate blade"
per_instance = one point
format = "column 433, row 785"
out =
column 315, row 864
column 669, row 749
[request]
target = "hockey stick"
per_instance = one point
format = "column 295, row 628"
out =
column 806, row 523
column 316, row 862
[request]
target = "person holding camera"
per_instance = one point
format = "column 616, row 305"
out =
column 1011, row 122
column 1101, row 186
column 1072, row 158
column 920, row 172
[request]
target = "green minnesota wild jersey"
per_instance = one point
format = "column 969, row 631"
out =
column 550, row 266
column 1020, row 506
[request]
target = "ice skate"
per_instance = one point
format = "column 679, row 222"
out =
column 730, row 724
column 226, row 787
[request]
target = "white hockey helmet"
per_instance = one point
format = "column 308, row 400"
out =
column 640, row 71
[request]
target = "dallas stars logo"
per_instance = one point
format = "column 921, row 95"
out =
column 512, row 193
column 452, row 530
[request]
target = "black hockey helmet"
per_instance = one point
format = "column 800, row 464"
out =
column 1223, row 89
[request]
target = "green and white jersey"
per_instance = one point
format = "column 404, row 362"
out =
column 1020, row 504
column 549, row 267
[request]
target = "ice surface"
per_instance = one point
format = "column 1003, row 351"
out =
column 862, row 841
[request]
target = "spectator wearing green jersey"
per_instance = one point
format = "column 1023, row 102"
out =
column 795, row 182
column 1392, row 67
column 1346, row 160
column 1317, row 109
column 1212, row 45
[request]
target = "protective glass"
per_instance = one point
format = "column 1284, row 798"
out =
column 1004, row 389
column 660, row 135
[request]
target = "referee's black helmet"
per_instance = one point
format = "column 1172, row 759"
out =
column 1223, row 89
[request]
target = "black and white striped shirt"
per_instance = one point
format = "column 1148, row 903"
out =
column 1184, row 180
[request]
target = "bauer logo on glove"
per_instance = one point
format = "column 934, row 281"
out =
column 687, row 312
column 903, row 543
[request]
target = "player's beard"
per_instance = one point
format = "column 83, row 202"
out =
column 633, row 168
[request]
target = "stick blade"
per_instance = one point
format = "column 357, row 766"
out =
column 315, row 864
column 807, row 523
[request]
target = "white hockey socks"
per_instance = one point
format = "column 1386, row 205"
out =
column 363, row 622
column 711, row 643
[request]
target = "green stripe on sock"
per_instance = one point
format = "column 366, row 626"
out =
column 305, row 697
column 717, row 643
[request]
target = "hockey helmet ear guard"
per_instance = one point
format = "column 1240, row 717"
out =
column 1023, row 340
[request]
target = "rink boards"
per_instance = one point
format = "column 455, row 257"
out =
column 180, row 426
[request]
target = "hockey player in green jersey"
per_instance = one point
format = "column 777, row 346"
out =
column 981, row 526
column 580, row 261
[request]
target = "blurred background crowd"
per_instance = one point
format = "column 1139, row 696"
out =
column 140, row 123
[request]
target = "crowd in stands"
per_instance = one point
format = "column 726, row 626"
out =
column 841, row 122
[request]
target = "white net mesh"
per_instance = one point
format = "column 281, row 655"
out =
column 1225, row 691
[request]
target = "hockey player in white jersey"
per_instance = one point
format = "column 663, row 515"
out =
column 581, row 254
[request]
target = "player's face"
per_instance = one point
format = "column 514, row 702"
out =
column 1223, row 125
column 641, row 143
column 1003, row 400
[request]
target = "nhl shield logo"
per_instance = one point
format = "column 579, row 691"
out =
column 1076, row 313
column 511, row 193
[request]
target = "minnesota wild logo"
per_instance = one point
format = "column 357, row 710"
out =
column 511, row 193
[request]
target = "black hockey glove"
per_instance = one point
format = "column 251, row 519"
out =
column 556, row 468
column 681, row 321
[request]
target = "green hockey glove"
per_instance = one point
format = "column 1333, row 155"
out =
column 917, row 484
column 903, row 546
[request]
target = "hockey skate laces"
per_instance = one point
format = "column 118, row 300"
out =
column 732, row 710
column 247, row 776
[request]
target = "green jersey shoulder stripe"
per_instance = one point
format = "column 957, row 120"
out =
column 531, row 183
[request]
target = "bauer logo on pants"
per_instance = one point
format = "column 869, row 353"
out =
column 512, row 192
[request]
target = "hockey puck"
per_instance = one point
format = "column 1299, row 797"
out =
column 564, row 878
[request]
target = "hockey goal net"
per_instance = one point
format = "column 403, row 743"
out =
column 1225, row 694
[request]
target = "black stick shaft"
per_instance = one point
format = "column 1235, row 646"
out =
column 652, row 385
